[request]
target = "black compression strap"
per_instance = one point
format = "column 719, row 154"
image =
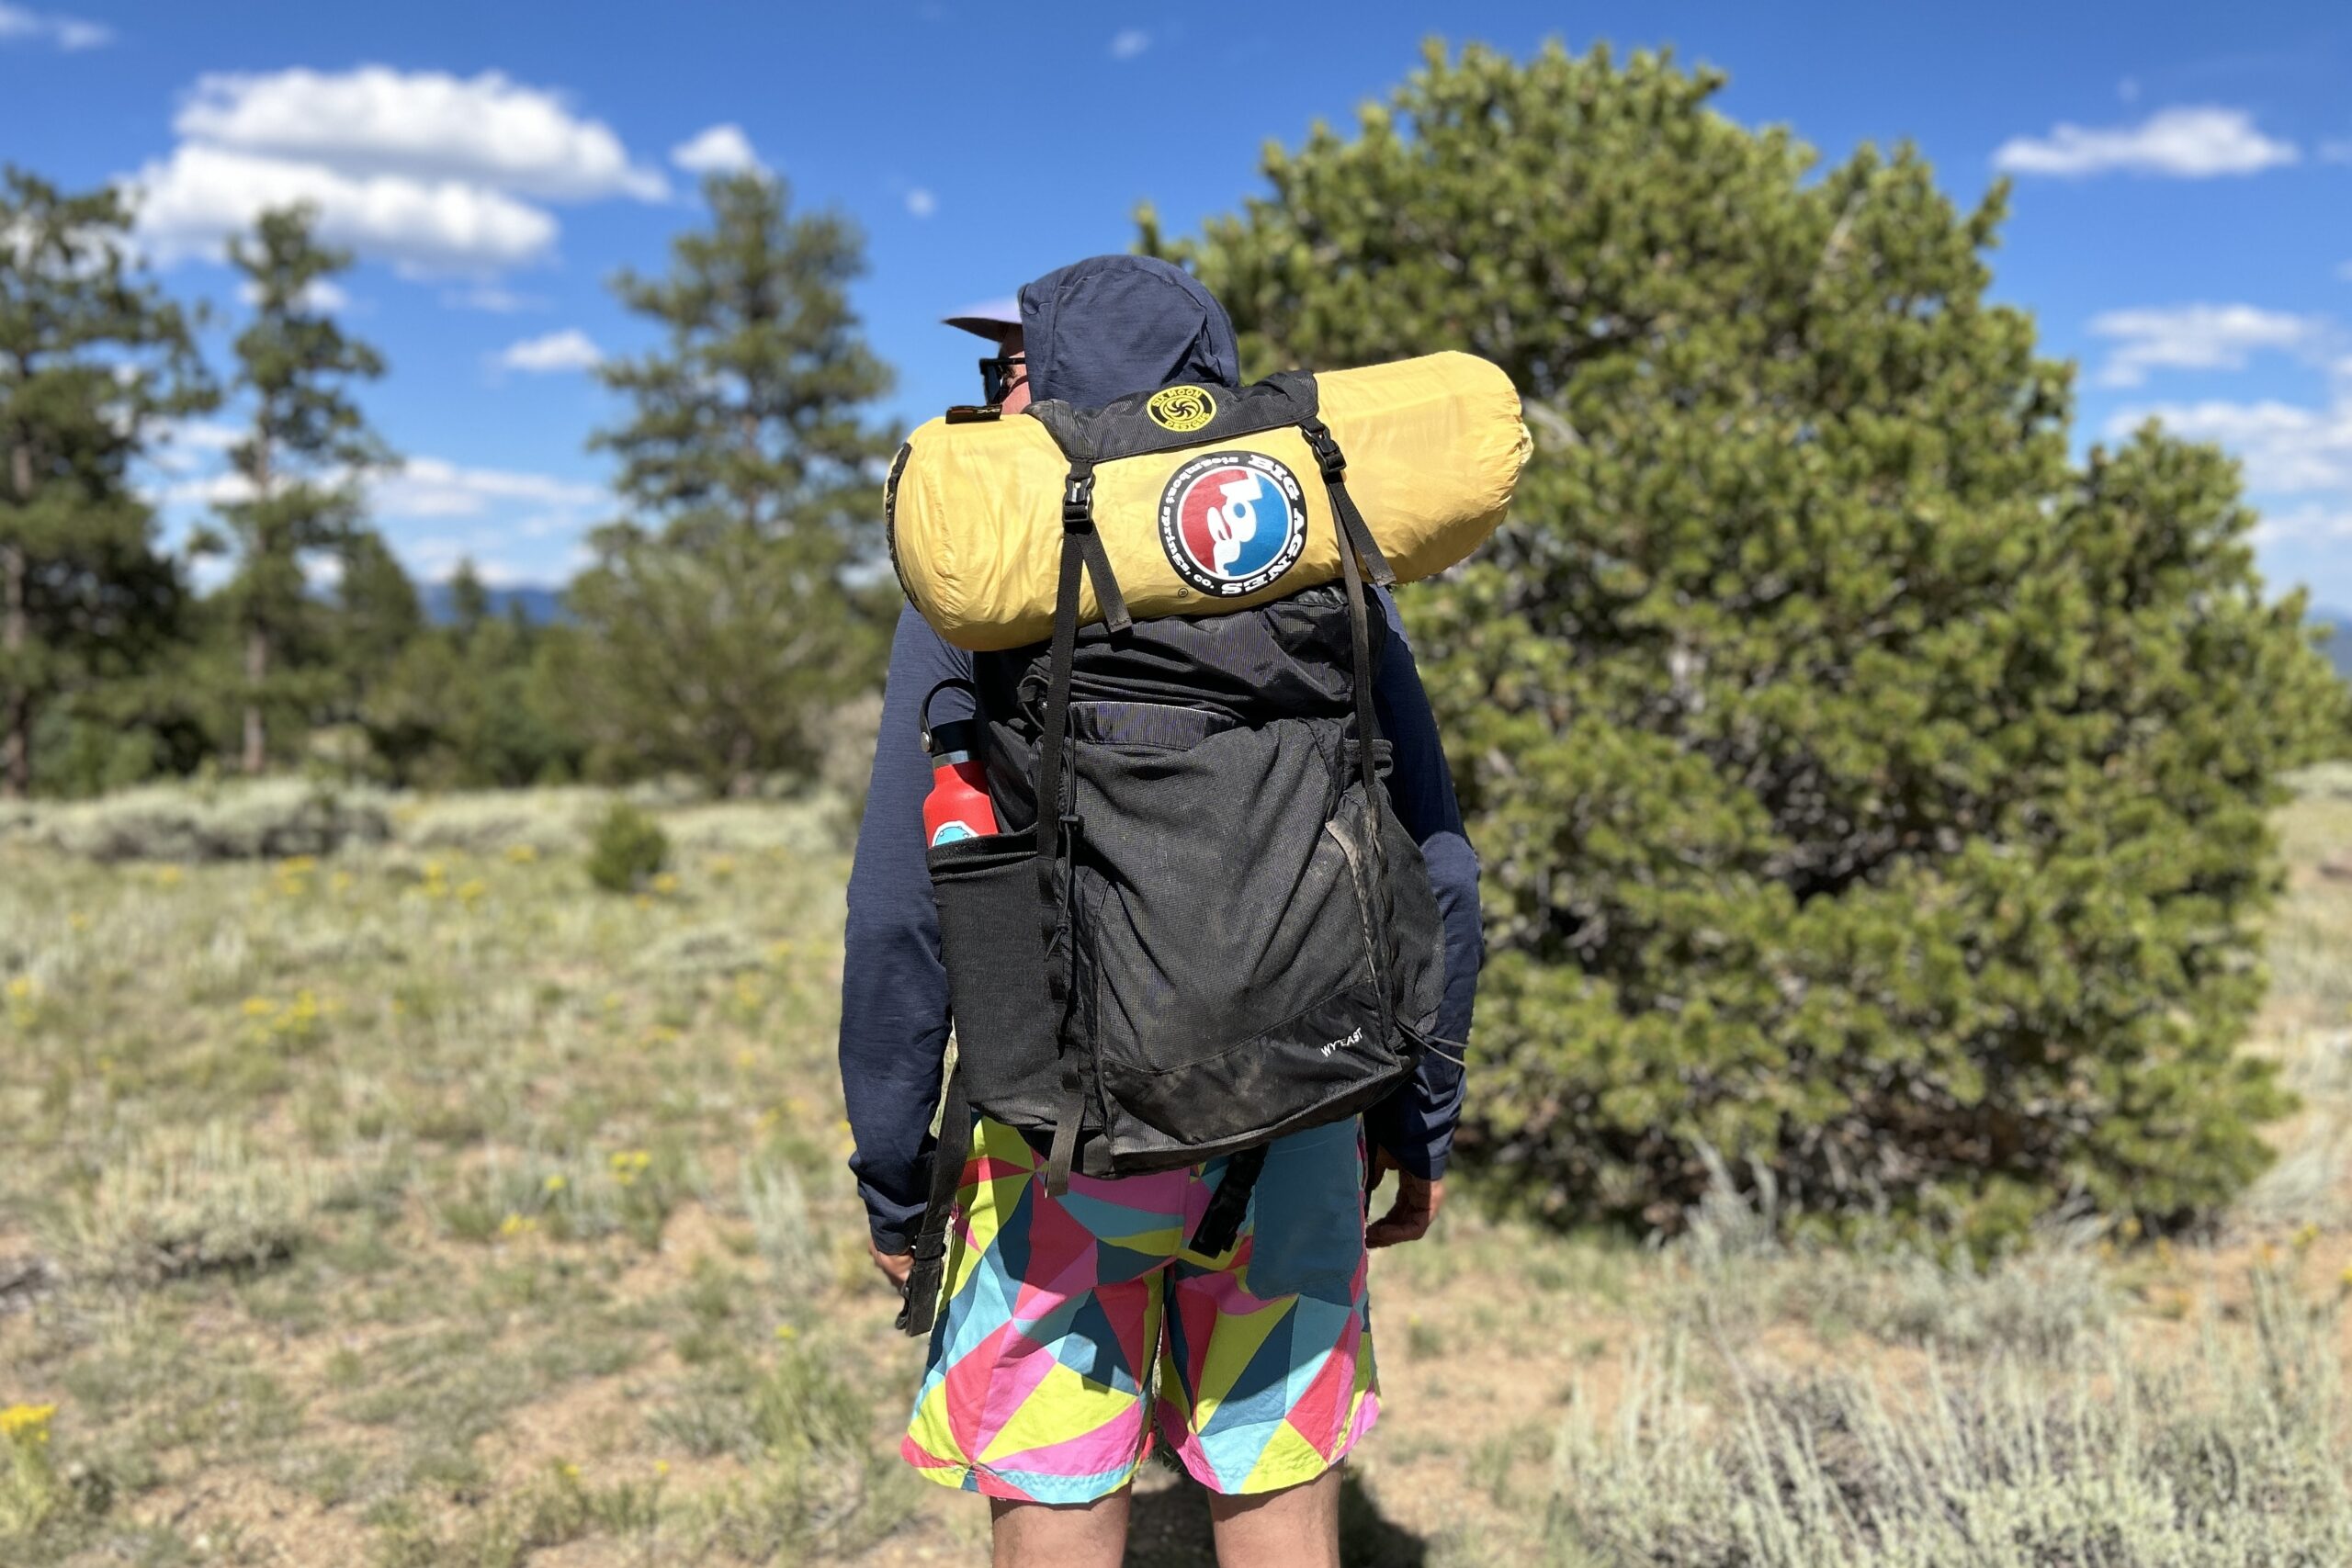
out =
column 1353, row 528
column 1221, row 1222
column 1069, row 1110
column 1359, row 656
column 1078, row 517
column 1350, row 539
column 1054, row 823
column 948, row 1157
column 1056, row 718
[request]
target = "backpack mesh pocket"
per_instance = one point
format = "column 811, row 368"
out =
column 992, row 938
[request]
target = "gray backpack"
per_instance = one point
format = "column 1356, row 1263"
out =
column 1218, row 933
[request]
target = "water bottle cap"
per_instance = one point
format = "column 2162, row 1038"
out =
column 956, row 740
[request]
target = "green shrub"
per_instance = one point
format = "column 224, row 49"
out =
column 170, row 1208
column 1864, row 787
column 267, row 820
column 2232, row 1458
column 629, row 848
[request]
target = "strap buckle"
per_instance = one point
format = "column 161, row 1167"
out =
column 1077, row 501
column 1327, row 450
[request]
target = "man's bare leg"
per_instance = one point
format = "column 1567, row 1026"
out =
column 1296, row 1527
column 1079, row 1535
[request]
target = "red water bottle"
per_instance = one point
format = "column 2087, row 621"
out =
column 958, row 804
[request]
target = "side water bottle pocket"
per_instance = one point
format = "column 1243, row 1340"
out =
column 992, row 938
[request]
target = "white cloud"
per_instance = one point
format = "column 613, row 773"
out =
column 492, row 299
column 922, row 203
column 192, row 202
column 182, row 446
column 1128, row 42
column 2286, row 449
column 425, row 125
column 434, row 173
column 70, row 34
column 2335, row 151
column 2304, row 524
column 321, row 297
column 432, row 487
column 2196, row 337
column 570, row 349
column 2188, row 144
column 721, row 149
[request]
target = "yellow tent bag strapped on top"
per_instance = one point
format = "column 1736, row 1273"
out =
column 1203, row 499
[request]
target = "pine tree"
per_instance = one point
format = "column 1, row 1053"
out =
column 377, row 609
column 303, row 465
column 469, row 600
column 1864, row 790
column 468, row 705
column 718, row 625
column 91, row 358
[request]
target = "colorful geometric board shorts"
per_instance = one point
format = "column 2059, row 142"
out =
column 1070, row 1324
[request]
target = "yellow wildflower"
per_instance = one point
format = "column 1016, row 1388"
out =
column 2305, row 1237
column 521, row 854
column 554, row 1184
column 27, row 1423
column 259, row 1006
column 21, row 988
column 76, row 920
column 786, row 1331
column 298, row 865
column 169, row 876
column 569, row 1470
column 473, row 891
column 722, row 865
column 666, row 883
column 517, row 1224
column 660, row 1467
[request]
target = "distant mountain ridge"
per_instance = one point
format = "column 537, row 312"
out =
column 541, row 606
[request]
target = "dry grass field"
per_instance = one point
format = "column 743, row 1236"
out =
column 378, row 1192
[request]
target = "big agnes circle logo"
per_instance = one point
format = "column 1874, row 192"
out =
column 1232, row 522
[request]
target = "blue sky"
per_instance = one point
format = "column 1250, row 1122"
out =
column 2182, row 222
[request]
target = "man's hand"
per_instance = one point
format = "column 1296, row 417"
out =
column 1409, row 1218
column 895, row 1266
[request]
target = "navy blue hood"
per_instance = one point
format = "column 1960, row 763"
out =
column 1099, row 329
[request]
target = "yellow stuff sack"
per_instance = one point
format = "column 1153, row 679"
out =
column 1205, row 498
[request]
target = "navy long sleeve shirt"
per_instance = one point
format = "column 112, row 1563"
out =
column 894, row 987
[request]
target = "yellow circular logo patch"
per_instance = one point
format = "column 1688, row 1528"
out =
column 1181, row 409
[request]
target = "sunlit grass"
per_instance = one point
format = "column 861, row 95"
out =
column 401, row 1199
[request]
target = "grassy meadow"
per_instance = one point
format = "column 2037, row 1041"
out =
column 379, row 1193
